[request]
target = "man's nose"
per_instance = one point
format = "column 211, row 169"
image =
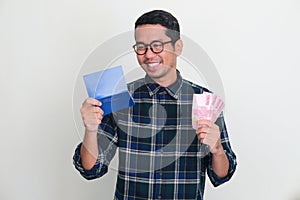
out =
column 149, row 53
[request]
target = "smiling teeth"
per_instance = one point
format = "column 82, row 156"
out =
column 152, row 64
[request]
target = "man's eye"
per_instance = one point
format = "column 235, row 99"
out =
column 156, row 45
column 140, row 47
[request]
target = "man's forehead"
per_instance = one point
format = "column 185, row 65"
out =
column 150, row 31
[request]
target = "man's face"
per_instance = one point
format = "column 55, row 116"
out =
column 159, row 66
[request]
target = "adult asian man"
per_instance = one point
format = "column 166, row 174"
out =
column 160, row 154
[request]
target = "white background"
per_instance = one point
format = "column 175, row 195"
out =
column 254, row 45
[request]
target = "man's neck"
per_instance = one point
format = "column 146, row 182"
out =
column 167, row 81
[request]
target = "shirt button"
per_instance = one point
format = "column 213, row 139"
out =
column 159, row 196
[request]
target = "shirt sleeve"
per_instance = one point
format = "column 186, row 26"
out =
column 107, row 143
column 216, row 181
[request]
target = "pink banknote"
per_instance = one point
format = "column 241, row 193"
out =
column 206, row 106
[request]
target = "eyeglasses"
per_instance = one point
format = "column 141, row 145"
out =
column 155, row 46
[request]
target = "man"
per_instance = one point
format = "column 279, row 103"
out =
column 160, row 155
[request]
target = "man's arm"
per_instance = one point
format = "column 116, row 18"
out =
column 91, row 116
column 208, row 133
column 89, row 150
column 220, row 162
column 93, row 155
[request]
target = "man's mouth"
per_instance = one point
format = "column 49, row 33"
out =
column 152, row 66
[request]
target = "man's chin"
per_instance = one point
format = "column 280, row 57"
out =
column 154, row 75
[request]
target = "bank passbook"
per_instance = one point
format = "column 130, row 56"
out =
column 110, row 88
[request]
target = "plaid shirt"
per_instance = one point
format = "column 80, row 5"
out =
column 160, row 156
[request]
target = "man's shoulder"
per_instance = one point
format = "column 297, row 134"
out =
column 137, row 82
column 196, row 87
column 132, row 86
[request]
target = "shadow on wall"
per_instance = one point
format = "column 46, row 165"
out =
column 296, row 197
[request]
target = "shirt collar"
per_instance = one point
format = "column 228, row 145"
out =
column 173, row 89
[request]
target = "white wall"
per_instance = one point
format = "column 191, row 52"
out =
column 254, row 45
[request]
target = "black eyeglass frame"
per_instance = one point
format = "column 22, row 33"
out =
column 151, row 47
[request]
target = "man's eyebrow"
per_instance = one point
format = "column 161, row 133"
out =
column 137, row 42
column 156, row 40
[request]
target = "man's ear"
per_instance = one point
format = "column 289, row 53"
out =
column 178, row 47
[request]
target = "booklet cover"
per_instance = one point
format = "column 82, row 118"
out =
column 110, row 88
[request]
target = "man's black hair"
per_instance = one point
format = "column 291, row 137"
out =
column 163, row 18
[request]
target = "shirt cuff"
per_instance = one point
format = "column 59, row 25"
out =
column 215, row 179
column 97, row 171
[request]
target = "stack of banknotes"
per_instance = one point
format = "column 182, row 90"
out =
column 206, row 106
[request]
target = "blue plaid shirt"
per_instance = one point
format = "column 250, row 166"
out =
column 160, row 156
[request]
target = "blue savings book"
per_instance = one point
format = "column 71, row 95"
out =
column 110, row 88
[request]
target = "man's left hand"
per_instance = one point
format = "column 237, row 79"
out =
column 209, row 133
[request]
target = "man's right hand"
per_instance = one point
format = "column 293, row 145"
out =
column 91, row 114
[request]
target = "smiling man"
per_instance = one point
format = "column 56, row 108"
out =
column 161, row 156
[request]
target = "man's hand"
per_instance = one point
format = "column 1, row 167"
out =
column 208, row 133
column 91, row 114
